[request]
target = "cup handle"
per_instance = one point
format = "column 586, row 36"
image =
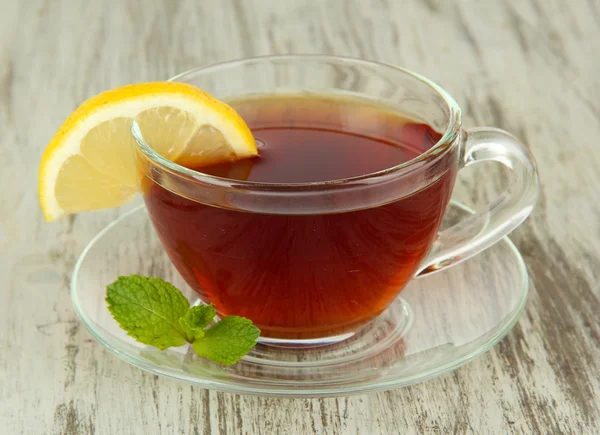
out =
column 486, row 227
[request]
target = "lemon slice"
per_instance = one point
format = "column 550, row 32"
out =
column 89, row 164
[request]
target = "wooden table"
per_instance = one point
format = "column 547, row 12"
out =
column 531, row 67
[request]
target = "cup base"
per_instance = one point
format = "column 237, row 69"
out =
column 392, row 324
column 311, row 342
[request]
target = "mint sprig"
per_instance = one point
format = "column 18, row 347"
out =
column 156, row 313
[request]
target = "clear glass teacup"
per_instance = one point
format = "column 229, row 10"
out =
column 312, row 262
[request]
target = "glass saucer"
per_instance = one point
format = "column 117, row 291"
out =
column 440, row 322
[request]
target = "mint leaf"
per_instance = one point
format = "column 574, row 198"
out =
column 227, row 341
column 149, row 310
column 196, row 319
column 155, row 312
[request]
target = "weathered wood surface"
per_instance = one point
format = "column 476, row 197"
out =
column 531, row 67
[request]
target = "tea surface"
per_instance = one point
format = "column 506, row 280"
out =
column 311, row 139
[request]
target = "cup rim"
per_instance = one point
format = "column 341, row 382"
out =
column 449, row 136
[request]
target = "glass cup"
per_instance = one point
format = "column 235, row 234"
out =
column 312, row 263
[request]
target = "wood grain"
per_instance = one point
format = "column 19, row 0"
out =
column 530, row 67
